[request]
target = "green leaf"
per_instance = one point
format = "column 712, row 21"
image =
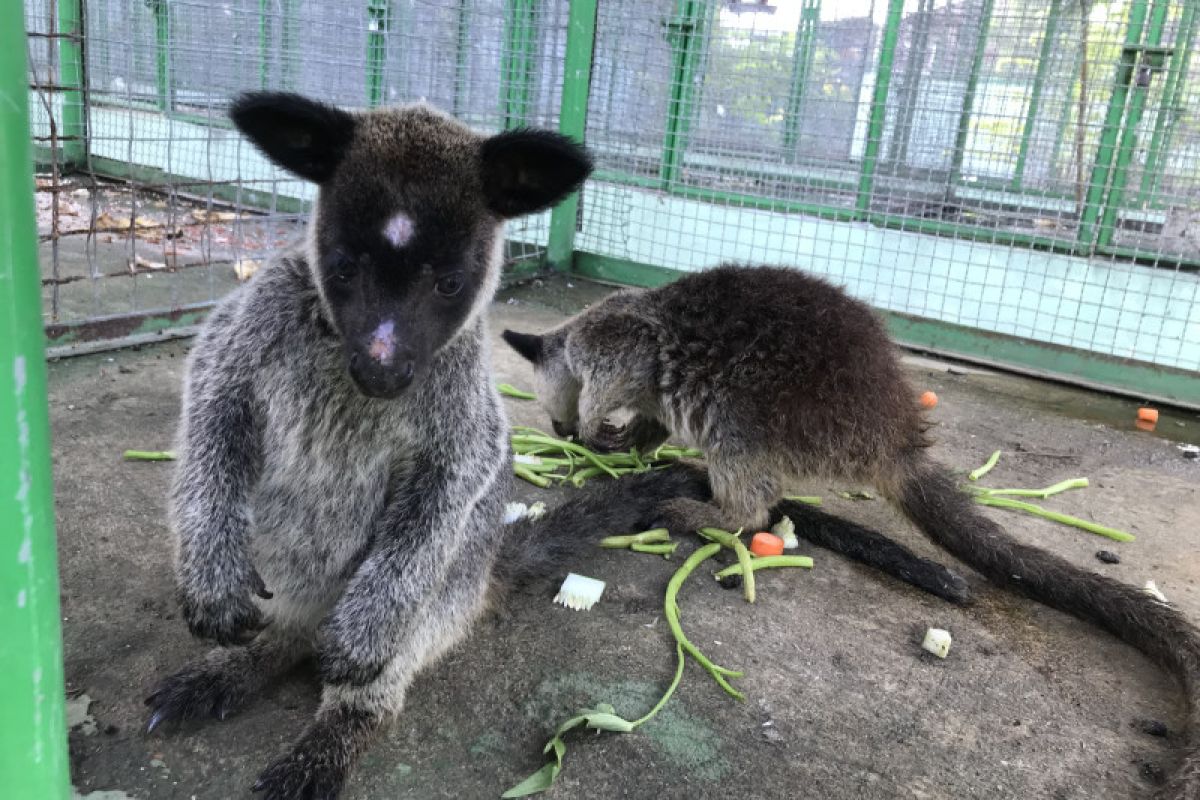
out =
column 539, row 781
column 609, row 722
column 556, row 744
column 604, row 708
column 573, row 722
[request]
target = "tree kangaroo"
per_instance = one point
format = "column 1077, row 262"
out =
column 777, row 376
column 344, row 456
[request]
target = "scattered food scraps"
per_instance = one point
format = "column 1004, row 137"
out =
column 929, row 399
column 937, row 641
column 1153, row 591
column 766, row 544
column 785, row 529
column 986, row 468
column 139, row 264
column 579, row 592
column 149, row 455
column 1189, row 451
column 508, row 390
column 1148, row 414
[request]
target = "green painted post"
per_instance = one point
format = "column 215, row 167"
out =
column 162, row 52
column 879, row 98
column 1150, row 61
column 462, row 53
column 685, row 32
column 1172, row 107
column 287, row 45
column 378, row 22
column 33, row 736
column 70, row 67
column 1106, row 152
column 1035, row 93
column 802, row 59
column 964, row 116
column 517, row 63
column 572, row 121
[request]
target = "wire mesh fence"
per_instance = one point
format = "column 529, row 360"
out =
column 1011, row 167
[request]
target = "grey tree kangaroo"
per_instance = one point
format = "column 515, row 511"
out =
column 778, row 375
column 344, row 456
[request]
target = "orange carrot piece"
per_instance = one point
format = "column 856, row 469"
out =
column 766, row 544
column 1148, row 414
column 929, row 399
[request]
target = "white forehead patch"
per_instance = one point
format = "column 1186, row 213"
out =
column 398, row 230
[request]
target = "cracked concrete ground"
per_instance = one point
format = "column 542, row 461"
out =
column 841, row 702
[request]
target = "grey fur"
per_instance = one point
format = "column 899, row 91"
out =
column 780, row 376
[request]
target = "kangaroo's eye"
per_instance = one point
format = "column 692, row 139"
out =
column 449, row 285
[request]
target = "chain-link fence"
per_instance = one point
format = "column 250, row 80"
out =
column 1013, row 180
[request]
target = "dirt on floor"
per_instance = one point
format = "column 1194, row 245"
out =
column 841, row 701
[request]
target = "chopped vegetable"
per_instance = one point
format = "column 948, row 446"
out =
column 1066, row 519
column 785, row 529
column 986, row 468
column 1153, row 591
column 929, row 399
column 562, row 460
column 856, row 495
column 812, row 501
column 508, row 390
column 1148, row 415
column 645, row 537
column 664, row 550
column 579, row 592
column 766, row 562
column 536, row 511
column 937, row 641
column 149, row 455
column 671, row 611
column 514, row 512
column 731, row 540
column 766, row 544
column 1049, row 491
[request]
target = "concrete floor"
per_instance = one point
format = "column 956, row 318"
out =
column 841, row 702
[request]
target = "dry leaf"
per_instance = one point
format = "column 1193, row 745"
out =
column 112, row 222
column 139, row 264
column 204, row 216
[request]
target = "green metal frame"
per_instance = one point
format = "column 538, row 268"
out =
column 1049, row 36
column 572, row 120
column 968, row 105
column 518, row 62
column 1172, row 107
column 1064, row 364
column 879, row 99
column 379, row 22
column 686, row 32
column 73, row 136
column 33, row 735
column 162, row 53
column 802, row 62
column 462, row 49
column 1098, row 186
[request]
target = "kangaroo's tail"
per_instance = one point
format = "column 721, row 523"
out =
column 929, row 496
column 545, row 547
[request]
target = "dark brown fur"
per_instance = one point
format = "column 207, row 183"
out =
column 780, row 376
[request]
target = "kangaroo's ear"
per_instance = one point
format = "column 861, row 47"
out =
column 305, row 137
column 527, row 345
column 530, row 170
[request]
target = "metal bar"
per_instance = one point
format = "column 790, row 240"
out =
column 378, row 22
column 1140, row 90
column 517, row 62
column 914, row 71
column 802, row 58
column 1137, row 379
column 70, row 66
column 1035, row 93
column 462, row 55
column 572, row 121
column 33, row 736
column 1172, row 107
column 685, row 32
column 879, row 98
column 964, row 117
column 162, row 52
column 1060, row 135
column 1106, row 152
column 264, row 44
column 287, row 45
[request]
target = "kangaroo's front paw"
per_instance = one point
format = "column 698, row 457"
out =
column 607, row 438
column 229, row 618
column 318, row 764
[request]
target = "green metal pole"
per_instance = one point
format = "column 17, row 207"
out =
column 378, row 22
column 70, row 66
column 1035, row 94
column 572, row 121
column 907, row 105
column 162, row 52
column 517, row 62
column 1150, row 61
column 883, row 81
column 287, row 45
column 33, row 736
column 1106, row 152
column 685, row 32
column 462, row 52
column 802, row 58
column 1172, row 101
column 964, row 117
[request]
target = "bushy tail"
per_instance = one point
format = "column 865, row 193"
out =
column 544, row 548
column 948, row 516
column 873, row 549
